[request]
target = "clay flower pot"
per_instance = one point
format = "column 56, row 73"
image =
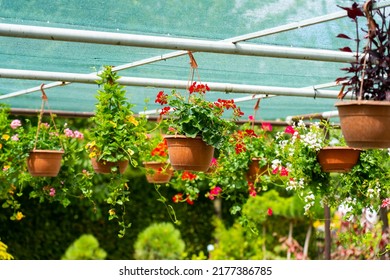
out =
column 338, row 159
column 191, row 154
column 44, row 163
column 365, row 124
column 158, row 172
column 104, row 167
column 255, row 170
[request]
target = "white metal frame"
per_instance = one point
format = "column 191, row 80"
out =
column 228, row 46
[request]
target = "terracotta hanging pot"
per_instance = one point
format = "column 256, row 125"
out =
column 187, row 153
column 44, row 163
column 338, row 159
column 255, row 170
column 104, row 167
column 365, row 124
column 158, row 172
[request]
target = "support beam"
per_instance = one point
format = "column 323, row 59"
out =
column 164, row 83
column 160, row 42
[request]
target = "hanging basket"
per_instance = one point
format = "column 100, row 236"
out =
column 158, row 172
column 44, row 163
column 187, row 153
column 105, row 167
column 338, row 159
column 255, row 170
column 365, row 124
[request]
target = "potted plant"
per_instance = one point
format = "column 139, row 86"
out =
column 296, row 163
column 364, row 121
column 366, row 186
column 197, row 126
column 335, row 155
column 242, row 164
column 45, row 157
column 115, row 133
column 155, row 159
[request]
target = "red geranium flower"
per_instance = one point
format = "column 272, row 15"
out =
column 188, row 176
column 177, row 198
column 161, row 98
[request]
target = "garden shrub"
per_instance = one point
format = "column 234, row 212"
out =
column 86, row 247
column 159, row 241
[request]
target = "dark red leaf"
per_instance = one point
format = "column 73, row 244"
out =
column 354, row 11
column 346, row 49
column 343, row 36
column 341, row 79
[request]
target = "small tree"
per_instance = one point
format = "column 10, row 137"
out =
column 159, row 241
column 86, row 247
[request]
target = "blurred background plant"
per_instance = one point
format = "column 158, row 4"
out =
column 86, row 247
column 159, row 241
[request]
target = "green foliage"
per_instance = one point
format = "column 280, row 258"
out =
column 159, row 241
column 73, row 180
column 230, row 174
column 297, row 163
column 232, row 244
column 366, row 185
column 193, row 115
column 116, row 132
column 86, row 247
column 47, row 229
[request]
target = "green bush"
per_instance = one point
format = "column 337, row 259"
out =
column 86, row 247
column 159, row 241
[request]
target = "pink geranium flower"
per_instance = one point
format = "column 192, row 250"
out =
column 15, row 124
column 289, row 130
column 386, row 202
column 266, row 126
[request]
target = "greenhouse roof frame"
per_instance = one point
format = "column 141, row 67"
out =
column 233, row 45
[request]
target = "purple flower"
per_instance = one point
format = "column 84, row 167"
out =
column 15, row 137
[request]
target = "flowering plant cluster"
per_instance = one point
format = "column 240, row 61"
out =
column 17, row 140
column 367, row 185
column 230, row 179
column 116, row 133
column 296, row 161
column 193, row 115
column 155, row 148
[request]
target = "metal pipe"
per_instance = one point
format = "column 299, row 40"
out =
column 147, row 41
column 253, row 35
column 164, row 83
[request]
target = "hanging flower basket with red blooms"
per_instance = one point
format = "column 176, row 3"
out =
column 193, row 116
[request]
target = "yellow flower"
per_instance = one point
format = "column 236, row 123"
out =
column 113, row 124
column 92, row 155
column 130, row 152
column 11, row 190
column 132, row 120
column 19, row 215
column 111, row 212
column 1, row 146
column 5, row 137
column 90, row 145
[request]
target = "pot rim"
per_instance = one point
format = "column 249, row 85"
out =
column 362, row 102
column 47, row 151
